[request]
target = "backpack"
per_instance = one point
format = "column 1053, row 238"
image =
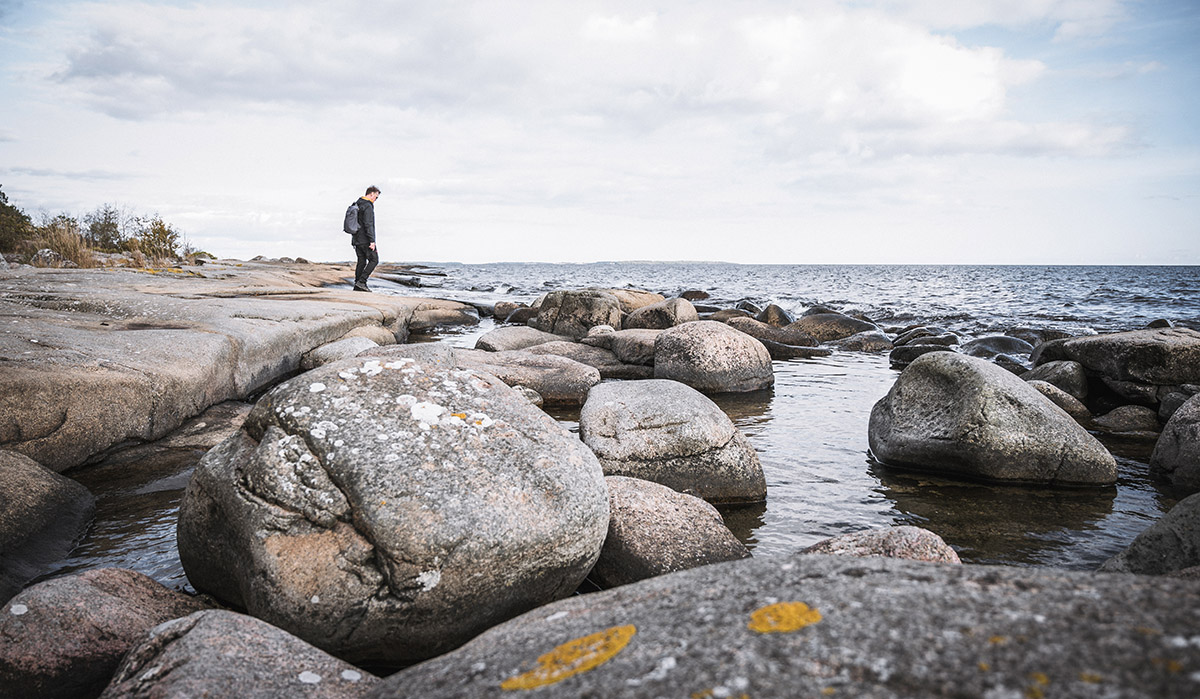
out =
column 351, row 223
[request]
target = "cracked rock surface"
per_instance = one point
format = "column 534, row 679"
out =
column 960, row 415
column 669, row 433
column 387, row 510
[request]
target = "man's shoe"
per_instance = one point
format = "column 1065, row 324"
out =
column 361, row 287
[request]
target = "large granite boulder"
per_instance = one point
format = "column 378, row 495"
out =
column 42, row 516
column 1176, row 456
column 514, row 337
column 775, row 316
column 223, row 654
column 662, row 315
column 712, row 357
column 811, row 626
column 913, row 543
column 559, row 380
column 386, row 511
column 65, row 637
column 602, row 360
column 965, row 416
column 831, row 326
column 571, row 313
column 1134, row 421
column 1161, row 357
column 904, row 355
column 653, row 530
column 633, row 299
column 1169, row 545
column 635, row 346
column 666, row 432
column 993, row 345
column 1067, row 375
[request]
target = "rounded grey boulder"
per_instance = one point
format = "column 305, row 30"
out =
column 712, row 357
column 386, row 511
column 653, row 530
column 333, row 351
column 913, row 543
column 831, row 326
column 662, row 315
column 1062, row 399
column 514, row 337
column 965, row 416
column 1169, row 545
column 1067, row 375
column 1176, row 455
column 666, row 432
column 572, row 313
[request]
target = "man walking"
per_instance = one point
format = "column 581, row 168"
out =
column 364, row 239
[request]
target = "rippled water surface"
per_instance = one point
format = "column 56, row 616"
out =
column 810, row 429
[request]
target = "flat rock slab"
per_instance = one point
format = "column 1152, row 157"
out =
column 66, row 636
column 94, row 358
column 224, row 654
column 602, row 360
column 559, row 380
column 1164, row 357
column 812, row 625
column 514, row 337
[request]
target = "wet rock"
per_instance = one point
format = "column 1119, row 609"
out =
column 1067, row 375
column 695, row 295
column 909, row 335
column 1171, row 544
column 825, row 327
column 599, row 358
column 989, row 347
column 965, row 416
column 571, row 313
column 1171, row 402
column 812, row 625
column 1160, row 323
column 819, row 310
column 668, row 433
column 712, row 357
column 1062, row 399
column 515, row 337
column 1133, row 391
column 783, row 352
column 1162, row 357
column 653, row 530
column 521, row 316
column 869, row 341
column 376, row 333
column 775, row 316
column 434, row 313
column 65, row 637
column 913, row 543
column 386, row 511
column 761, row 331
column 1011, row 364
column 748, row 306
column 334, row 351
column 42, row 516
column 224, row 654
column 1176, row 456
column 559, row 380
column 726, row 314
column 503, row 309
column 944, row 339
column 1130, row 420
column 901, row 357
column 661, row 315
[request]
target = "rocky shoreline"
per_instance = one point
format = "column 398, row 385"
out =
column 384, row 504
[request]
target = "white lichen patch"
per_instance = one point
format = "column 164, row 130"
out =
column 426, row 413
column 316, row 387
column 348, row 374
column 372, row 368
column 406, row 401
column 18, row 609
column 400, row 363
column 429, row 579
column 308, row 677
column 482, row 420
column 557, row 615
column 351, row 675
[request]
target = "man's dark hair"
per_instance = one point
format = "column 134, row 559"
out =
column 373, row 188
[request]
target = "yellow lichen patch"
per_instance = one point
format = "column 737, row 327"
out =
column 1090, row 678
column 1171, row 666
column 1040, row 678
column 829, row 691
column 998, row 640
column 984, row 667
column 703, row 694
column 460, row 416
column 782, row 617
column 573, row 657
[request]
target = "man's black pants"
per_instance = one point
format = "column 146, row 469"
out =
column 367, row 259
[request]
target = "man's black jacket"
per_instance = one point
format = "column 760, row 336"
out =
column 366, row 223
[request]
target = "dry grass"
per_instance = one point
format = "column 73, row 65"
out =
column 67, row 243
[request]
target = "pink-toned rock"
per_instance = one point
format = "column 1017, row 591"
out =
column 65, row 637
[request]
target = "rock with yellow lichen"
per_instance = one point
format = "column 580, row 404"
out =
column 387, row 509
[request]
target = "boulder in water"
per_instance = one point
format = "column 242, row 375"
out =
column 913, row 543
column 572, row 313
column 1176, row 456
column 825, row 327
column 775, row 316
column 868, row 341
column 1067, row 375
column 961, row 415
column 661, row 315
column 904, row 355
column 604, row 361
column 993, row 345
column 712, row 357
column 1062, row 399
column 654, row 530
column 1162, row 357
column 762, row 331
column 666, row 432
column 387, row 511
column 514, row 337
column 1130, row 421
column 1169, row 545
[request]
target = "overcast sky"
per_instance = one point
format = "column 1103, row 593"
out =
column 874, row 131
